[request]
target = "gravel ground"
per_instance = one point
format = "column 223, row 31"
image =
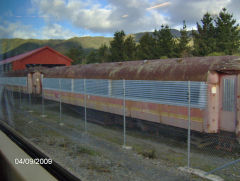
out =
column 98, row 154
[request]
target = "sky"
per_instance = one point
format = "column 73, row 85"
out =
column 63, row 19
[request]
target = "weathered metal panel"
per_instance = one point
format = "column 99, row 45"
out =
column 18, row 81
column 66, row 85
column 167, row 92
column 228, row 103
column 116, row 88
column 97, row 87
column 51, row 83
column 161, row 92
column 78, row 85
column 228, row 98
column 238, row 108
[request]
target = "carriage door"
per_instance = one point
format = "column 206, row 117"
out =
column 29, row 83
column 228, row 103
column 36, row 83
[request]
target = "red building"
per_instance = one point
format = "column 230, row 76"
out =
column 45, row 56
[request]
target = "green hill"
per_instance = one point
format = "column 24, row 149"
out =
column 12, row 47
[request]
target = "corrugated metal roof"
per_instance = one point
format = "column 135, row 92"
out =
column 28, row 54
column 178, row 69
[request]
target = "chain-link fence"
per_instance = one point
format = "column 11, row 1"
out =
column 164, row 121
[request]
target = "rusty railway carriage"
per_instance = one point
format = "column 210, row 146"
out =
column 155, row 90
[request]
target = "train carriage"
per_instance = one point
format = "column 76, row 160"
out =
column 153, row 90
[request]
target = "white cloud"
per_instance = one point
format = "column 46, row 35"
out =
column 79, row 13
column 93, row 16
column 234, row 6
column 16, row 30
column 98, row 18
column 56, row 31
column 192, row 11
column 19, row 30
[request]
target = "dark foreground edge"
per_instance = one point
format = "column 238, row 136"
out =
column 55, row 169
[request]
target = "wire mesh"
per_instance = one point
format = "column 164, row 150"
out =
column 101, row 107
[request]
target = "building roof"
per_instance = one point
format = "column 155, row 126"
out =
column 176, row 69
column 28, row 54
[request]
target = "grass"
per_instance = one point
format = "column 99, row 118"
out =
column 64, row 143
column 85, row 150
column 151, row 153
column 108, row 137
column 98, row 168
column 172, row 157
column 146, row 151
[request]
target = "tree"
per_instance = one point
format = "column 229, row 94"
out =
column 204, row 39
column 117, row 47
column 92, row 57
column 165, row 43
column 129, row 48
column 103, row 53
column 122, row 49
column 227, row 33
column 183, row 48
column 146, row 47
column 76, row 54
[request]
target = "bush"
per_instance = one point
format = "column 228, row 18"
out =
column 149, row 154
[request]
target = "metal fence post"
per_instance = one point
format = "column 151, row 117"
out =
column 29, row 99
column 12, row 93
column 72, row 85
column 60, row 101
column 29, row 102
column 20, row 98
column 43, row 106
column 124, row 116
column 85, row 105
column 189, row 122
